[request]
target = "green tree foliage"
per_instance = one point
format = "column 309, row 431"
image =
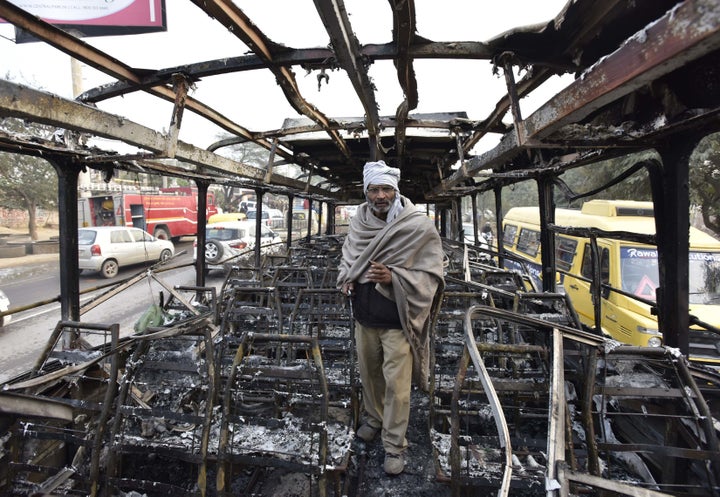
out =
column 26, row 182
column 523, row 194
column 589, row 178
column 586, row 179
column 705, row 181
column 248, row 153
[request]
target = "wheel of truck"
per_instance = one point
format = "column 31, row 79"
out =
column 161, row 233
column 109, row 268
column 213, row 251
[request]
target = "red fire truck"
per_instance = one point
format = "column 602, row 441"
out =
column 168, row 213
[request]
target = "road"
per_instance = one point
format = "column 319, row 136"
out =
column 42, row 281
column 25, row 337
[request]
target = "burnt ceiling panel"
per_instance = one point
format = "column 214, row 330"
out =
column 638, row 67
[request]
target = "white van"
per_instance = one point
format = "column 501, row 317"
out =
column 628, row 266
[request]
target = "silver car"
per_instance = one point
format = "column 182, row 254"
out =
column 107, row 248
column 226, row 240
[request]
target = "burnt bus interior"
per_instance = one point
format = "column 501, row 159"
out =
column 257, row 378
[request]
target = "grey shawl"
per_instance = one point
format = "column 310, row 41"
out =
column 411, row 247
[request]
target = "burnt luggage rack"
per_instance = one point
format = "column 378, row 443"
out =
column 647, row 425
column 240, row 276
column 61, row 408
column 275, row 414
column 247, row 309
column 500, row 406
column 447, row 345
column 158, row 438
column 287, row 282
column 324, row 314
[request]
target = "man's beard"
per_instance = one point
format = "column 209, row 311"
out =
column 381, row 209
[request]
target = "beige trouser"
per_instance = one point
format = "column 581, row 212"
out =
column 385, row 363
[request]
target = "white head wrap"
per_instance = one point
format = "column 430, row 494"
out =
column 378, row 173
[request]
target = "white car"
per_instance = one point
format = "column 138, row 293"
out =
column 4, row 306
column 273, row 218
column 226, row 240
column 107, row 248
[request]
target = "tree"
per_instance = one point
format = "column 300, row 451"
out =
column 27, row 182
column 589, row 178
column 248, row 153
column 705, row 181
column 704, row 176
column 522, row 194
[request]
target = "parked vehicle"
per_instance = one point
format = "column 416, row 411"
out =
column 168, row 214
column 247, row 205
column 107, row 248
column 469, row 236
column 628, row 266
column 226, row 240
column 226, row 216
column 273, row 218
column 300, row 223
column 4, row 306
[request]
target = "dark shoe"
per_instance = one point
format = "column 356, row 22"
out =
column 367, row 433
column 394, row 463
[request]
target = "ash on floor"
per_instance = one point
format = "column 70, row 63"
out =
column 419, row 475
column 366, row 477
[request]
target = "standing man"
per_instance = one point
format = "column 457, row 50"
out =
column 392, row 268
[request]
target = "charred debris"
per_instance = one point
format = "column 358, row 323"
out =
column 253, row 391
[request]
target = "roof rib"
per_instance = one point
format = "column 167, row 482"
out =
column 238, row 23
column 347, row 52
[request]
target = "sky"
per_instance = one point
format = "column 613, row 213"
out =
column 253, row 99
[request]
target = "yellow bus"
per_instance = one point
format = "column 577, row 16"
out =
column 628, row 266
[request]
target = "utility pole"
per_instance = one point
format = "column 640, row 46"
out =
column 84, row 180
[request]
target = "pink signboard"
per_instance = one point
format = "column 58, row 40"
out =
column 99, row 17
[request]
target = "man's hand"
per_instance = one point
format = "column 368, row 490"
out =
column 379, row 273
column 348, row 288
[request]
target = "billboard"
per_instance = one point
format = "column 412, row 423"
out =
column 97, row 17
